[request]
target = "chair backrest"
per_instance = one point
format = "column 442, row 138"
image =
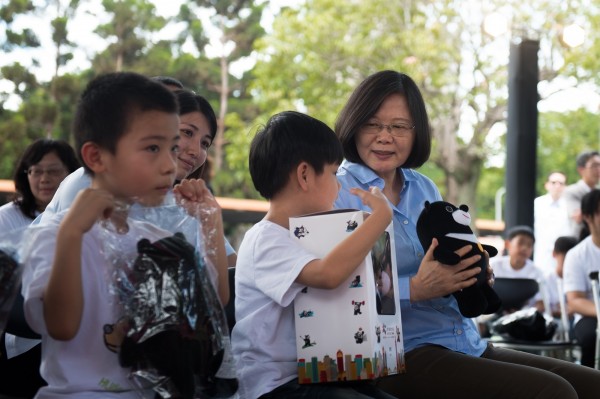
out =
column 230, row 307
column 564, row 315
column 515, row 292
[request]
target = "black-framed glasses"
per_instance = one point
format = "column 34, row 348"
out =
column 397, row 129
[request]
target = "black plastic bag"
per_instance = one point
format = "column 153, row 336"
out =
column 528, row 325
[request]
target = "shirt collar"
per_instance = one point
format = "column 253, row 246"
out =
column 367, row 176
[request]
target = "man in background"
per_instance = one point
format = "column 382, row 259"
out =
column 588, row 167
column 551, row 221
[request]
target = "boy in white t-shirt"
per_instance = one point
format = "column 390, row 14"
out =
column 517, row 264
column 562, row 245
column 126, row 130
column 580, row 261
column 293, row 162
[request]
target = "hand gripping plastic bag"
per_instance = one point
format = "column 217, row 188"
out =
column 10, row 272
column 173, row 325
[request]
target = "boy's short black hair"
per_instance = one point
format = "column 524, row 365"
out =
column 563, row 244
column 520, row 230
column 109, row 103
column 287, row 139
column 585, row 156
column 168, row 81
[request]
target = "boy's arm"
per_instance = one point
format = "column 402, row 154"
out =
column 218, row 255
column 579, row 303
column 197, row 199
column 338, row 264
column 63, row 296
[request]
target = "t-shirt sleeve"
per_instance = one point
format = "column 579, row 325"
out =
column 278, row 261
column 574, row 278
column 40, row 244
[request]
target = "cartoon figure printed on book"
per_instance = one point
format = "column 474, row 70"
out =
column 306, row 313
column 351, row 225
column 300, row 232
column 360, row 336
column 307, row 342
column 356, row 282
column 357, row 305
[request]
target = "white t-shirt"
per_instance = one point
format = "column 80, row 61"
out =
column 83, row 367
column 264, row 337
column 502, row 268
column 11, row 217
column 551, row 220
column 579, row 262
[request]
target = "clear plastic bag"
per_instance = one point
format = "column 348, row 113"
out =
column 173, row 325
column 10, row 272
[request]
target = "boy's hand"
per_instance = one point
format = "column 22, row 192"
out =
column 198, row 201
column 375, row 200
column 196, row 198
column 89, row 205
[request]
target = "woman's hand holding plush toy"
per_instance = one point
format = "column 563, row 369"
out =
column 435, row 279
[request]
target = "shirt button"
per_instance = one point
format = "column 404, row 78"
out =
column 419, row 254
column 405, row 222
column 459, row 332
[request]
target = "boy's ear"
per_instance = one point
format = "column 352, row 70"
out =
column 302, row 175
column 92, row 156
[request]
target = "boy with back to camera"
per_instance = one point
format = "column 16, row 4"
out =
column 293, row 162
column 126, row 130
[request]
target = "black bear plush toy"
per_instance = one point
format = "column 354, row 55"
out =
column 450, row 226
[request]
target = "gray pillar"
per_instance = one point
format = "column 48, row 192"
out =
column 521, row 137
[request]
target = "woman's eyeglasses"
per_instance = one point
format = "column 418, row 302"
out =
column 39, row 172
column 395, row 129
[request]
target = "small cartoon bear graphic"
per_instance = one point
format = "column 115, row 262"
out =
column 307, row 342
column 357, row 305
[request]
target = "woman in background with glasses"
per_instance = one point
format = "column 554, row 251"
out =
column 41, row 168
column 43, row 165
column 385, row 133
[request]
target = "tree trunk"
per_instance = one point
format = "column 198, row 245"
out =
column 223, row 95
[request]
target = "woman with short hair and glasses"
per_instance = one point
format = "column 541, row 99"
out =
column 385, row 134
column 39, row 172
column 41, row 168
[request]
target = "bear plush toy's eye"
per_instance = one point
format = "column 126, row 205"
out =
column 449, row 209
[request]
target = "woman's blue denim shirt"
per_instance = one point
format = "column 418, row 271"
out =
column 435, row 321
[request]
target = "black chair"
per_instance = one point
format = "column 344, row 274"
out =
column 230, row 307
column 515, row 293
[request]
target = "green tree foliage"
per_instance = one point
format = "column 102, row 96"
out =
column 235, row 26
column 563, row 135
column 319, row 52
column 9, row 11
column 132, row 23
